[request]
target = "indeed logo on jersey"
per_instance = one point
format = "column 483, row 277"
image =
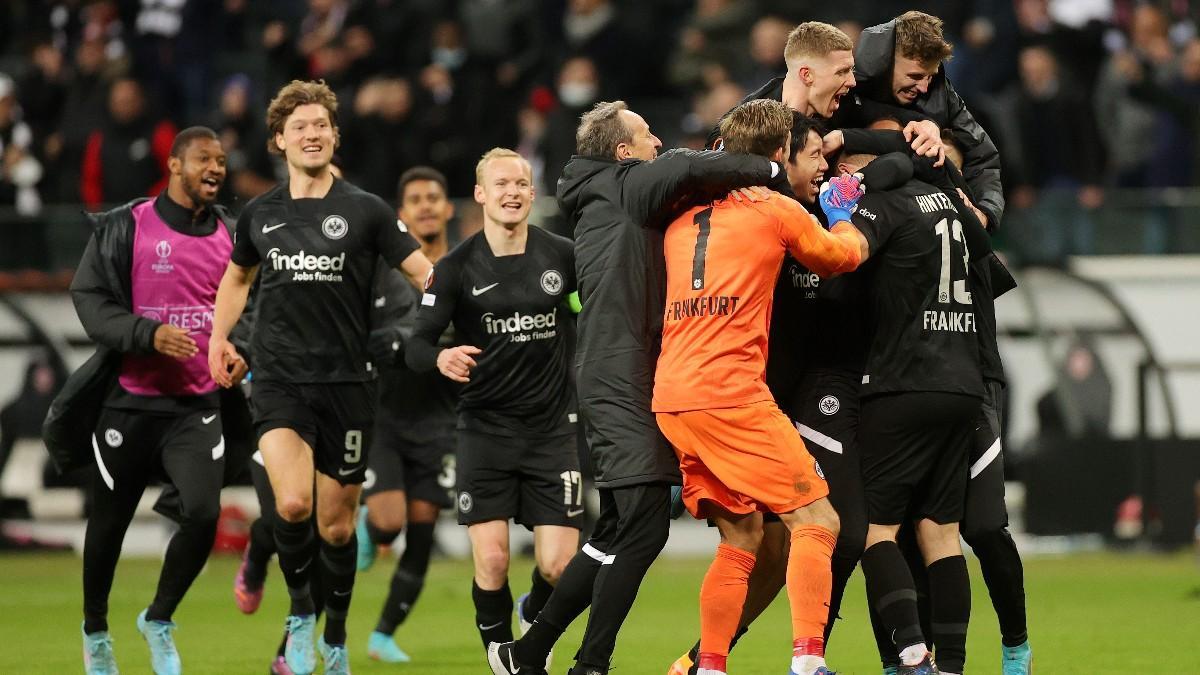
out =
column 519, row 325
column 804, row 279
column 308, row 267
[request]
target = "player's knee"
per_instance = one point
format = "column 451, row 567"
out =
column 385, row 522
column 852, row 538
column 338, row 534
column 745, row 539
column 827, row 518
column 492, row 563
column 294, row 508
column 985, row 538
column 203, row 515
column 552, row 570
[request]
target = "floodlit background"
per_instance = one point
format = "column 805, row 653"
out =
column 1094, row 105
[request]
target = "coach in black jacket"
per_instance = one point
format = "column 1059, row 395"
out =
column 619, row 202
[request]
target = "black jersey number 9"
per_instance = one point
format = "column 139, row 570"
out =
column 353, row 446
column 702, row 222
column 947, row 229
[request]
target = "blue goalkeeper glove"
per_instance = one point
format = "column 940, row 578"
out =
column 839, row 196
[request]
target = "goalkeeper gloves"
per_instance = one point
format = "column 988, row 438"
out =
column 840, row 195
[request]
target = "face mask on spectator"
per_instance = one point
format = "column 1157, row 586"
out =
column 576, row 94
column 449, row 59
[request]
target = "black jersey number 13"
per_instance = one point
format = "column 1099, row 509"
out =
column 947, row 229
column 702, row 222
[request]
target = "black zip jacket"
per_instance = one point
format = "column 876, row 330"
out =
column 101, row 291
column 873, row 60
column 618, row 211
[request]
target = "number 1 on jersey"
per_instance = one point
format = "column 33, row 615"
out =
column 703, row 225
column 961, row 295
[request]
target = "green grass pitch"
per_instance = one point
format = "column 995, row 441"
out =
column 1093, row 614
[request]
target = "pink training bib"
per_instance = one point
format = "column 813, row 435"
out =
column 175, row 278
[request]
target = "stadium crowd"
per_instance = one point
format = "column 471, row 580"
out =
column 1079, row 96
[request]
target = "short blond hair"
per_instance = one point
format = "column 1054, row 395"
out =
column 815, row 38
column 758, row 127
column 499, row 153
column 919, row 37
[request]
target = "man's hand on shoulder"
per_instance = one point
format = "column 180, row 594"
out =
column 757, row 193
column 926, row 140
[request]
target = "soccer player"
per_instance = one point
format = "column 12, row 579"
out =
column 506, row 291
column 820, row 83
column 921, row 394
column 411, row 471
column 619, row 194
column 144, row 290
column 315, row 241
column 738, row 453
column 899, row 63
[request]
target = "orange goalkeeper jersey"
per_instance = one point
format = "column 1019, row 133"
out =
column 722, row 264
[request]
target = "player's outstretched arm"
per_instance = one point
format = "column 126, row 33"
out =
column 439, row 303
column 827, row 253
column 417, row 268
column 655, row 190
column 226, row 366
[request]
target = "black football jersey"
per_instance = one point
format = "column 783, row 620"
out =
column 514, row 308
column 316, row 260
column 416, row 400
column 923, row 328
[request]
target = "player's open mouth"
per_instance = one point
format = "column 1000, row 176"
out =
column 511, row 206
column 815, row 183
column 211, row 183
column 311, row 148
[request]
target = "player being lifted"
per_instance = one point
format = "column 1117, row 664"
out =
column 738, row 453
column 315, row 240
column 506, row 291
column 410, row 474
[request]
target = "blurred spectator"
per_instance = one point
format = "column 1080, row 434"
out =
column 250, row 166
column 1059, row 145
column 22, row 417
column 1080, row 403
column 127, row 157
column 83, row 112
column 767, row 40
column 707, row 109
column 42, row 91
column 715, row 33
column 578, row 89
column 1078, row 50
column 321, row 26
column 1177, row 113
column 1057, row 157
column 20, row 171
column 381, row 140
column 1129, row 123
column 591, row 29
column 505, row 39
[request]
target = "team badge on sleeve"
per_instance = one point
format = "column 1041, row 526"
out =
column 401, row 226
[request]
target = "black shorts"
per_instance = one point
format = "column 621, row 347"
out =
column 914, row 449
column 533, row 480
column 985, row 510
column 414, row 457
column 335, row 419
column 133, row 448
column 825, row 410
